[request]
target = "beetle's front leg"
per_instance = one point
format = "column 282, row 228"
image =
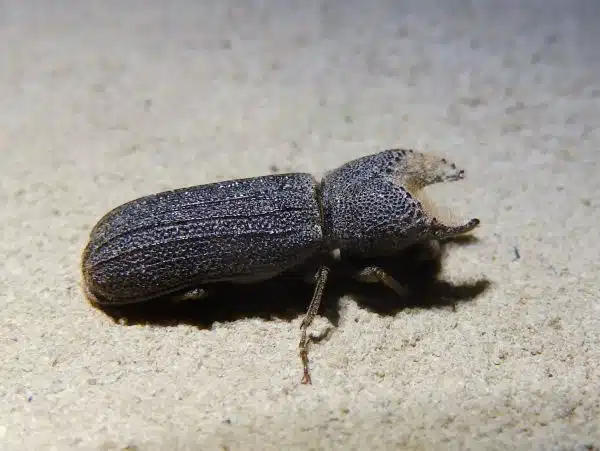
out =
column 440, row 230
column 374, row 274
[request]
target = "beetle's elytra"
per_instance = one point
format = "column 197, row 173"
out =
column 243, row 231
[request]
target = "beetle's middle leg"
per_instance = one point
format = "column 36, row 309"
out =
column 313, row 309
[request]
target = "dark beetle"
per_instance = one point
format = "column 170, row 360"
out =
column 243, row 231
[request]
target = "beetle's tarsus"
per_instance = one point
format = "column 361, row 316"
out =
column 304, row 353
column 306, row 380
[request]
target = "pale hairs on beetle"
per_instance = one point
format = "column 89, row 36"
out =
column 176, row 244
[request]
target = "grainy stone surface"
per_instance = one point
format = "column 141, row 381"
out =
column 102, row 102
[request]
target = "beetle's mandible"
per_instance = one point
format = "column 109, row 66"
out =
column 178, row 243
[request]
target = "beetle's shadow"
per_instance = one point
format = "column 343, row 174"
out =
column 286, row 297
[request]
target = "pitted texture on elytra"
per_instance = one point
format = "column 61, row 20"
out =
column 239, row 230
column 369, row 204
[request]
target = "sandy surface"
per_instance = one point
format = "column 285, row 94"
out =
column 102, row 104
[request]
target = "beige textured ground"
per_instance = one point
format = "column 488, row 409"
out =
column 102, row 103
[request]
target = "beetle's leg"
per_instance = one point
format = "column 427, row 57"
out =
column 374, row 274
column 440, row 230
column 193, row 294
column 430, row 250
column 313, row 308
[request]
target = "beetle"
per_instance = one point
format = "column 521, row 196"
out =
column 177, row 243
